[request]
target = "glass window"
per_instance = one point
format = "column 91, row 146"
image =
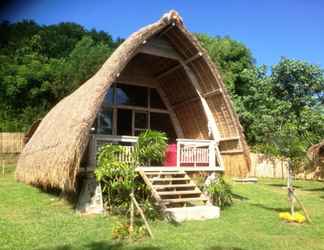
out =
column 141, row 120
column 124, row 122
column 109, row 98
column 131, row 95
column 162, row 122
column 156, row 101
column 137, row 132
column 105, row 122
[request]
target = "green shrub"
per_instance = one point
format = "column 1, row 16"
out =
column 151, row 147
column 121, row 231
column 117, row 178
column 220, row 192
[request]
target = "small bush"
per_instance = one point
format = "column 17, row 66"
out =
column 121, row 231
column 151, row 147
column 117, row 177
column 220, row 193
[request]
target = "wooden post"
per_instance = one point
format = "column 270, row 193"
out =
column 212, row 160
column 142, row 215
column 131, row 224
column 290, row 189
column 302, row 206
column 178, row 153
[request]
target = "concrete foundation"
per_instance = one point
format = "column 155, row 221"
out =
column 90, row 198
column 193, row 213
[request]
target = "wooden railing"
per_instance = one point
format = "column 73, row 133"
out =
column 126, row 155
column 196, row 153
column 191, row 153
column 96, row 141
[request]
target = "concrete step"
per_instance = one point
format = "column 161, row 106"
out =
column 180, row 214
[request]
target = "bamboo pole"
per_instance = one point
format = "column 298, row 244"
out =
column 290, row 189
column 131, row 224
column 142, row 215
column 302, row 206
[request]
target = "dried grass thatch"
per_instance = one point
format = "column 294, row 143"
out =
column 316, row 153
column 52, row 156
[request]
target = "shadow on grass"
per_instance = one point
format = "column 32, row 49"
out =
column 103, row 245
column 314, row 189
column 275, row 209
column 283, row 185
column 239, row 197
column 224, row 248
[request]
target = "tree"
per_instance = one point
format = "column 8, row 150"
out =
column 39, row 65
column 299, row 83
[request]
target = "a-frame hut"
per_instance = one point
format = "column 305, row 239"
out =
column 159, row 78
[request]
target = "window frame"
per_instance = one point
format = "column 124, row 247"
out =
column 114, row 107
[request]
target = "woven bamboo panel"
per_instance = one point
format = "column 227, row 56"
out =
column 11, row 143
column 192, row 121
column 178, row 87
column 230, row 145
column 222, row 116
column 181, row 42
column 235, row 165
column 204, row 75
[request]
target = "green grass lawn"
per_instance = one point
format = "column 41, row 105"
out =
column 31, row 219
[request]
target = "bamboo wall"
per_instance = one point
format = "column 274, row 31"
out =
column 11, row 143
column 235, row 165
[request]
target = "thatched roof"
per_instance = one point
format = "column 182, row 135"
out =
column 52, row 156
column 316, row 152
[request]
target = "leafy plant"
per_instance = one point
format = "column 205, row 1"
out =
column 121, row 231
column 220, row 192
column 151, row 147
column 117, row 177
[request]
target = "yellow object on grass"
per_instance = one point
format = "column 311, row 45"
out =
column 296, row 217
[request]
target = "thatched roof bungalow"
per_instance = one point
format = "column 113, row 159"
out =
column 316, row 153
column 164, row 60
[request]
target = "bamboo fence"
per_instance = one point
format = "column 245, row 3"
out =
column 11, row 145
column 271, row 167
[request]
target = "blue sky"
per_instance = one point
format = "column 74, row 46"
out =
column 271, row 29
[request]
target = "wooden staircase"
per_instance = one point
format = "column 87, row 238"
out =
column 173, row 189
